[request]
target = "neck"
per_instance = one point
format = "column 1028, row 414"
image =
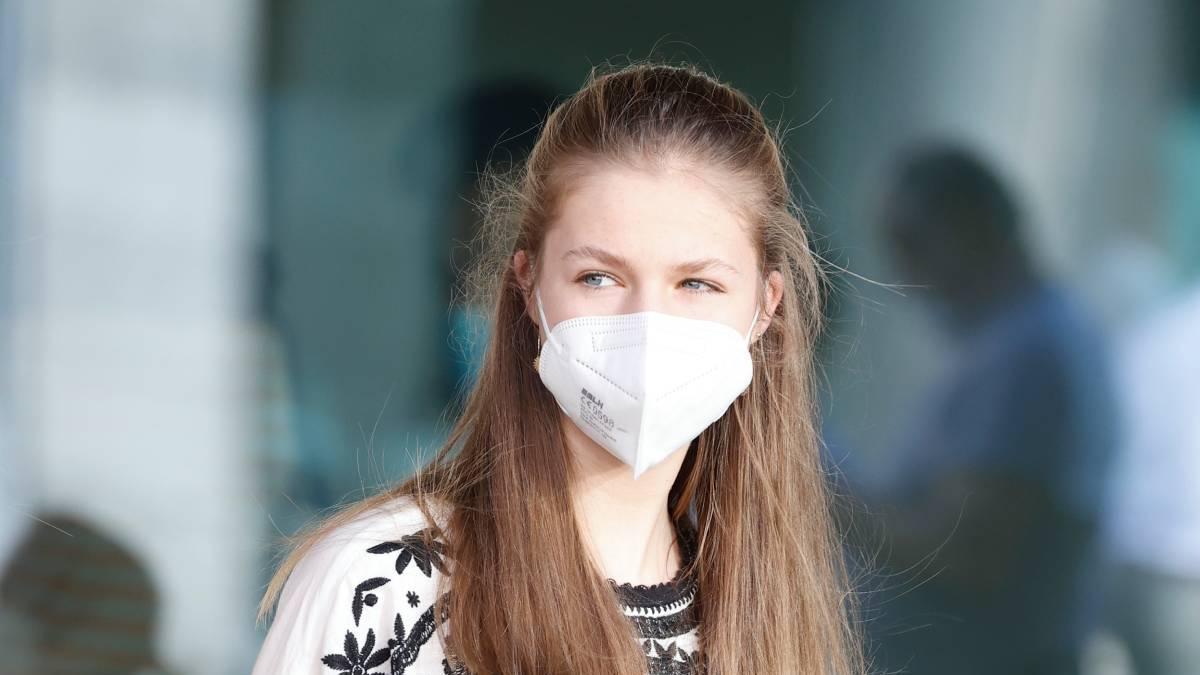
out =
column 625, row 523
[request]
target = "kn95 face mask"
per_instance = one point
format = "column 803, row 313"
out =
column 643, row 385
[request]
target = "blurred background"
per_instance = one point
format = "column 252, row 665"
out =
column 229, row 239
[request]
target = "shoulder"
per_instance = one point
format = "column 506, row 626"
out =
column 363, row 595
column 371, row 537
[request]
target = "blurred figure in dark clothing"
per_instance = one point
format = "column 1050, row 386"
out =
column 74, row 600
column 990, row 513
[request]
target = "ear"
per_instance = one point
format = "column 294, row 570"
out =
column 774, row 293
column 523, row 271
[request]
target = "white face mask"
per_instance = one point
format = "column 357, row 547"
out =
column 644, row 385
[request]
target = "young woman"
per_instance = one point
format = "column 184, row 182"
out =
column 634, row 484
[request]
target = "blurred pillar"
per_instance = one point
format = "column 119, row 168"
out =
column 133, row 148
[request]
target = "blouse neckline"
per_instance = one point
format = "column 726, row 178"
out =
column 679, row 589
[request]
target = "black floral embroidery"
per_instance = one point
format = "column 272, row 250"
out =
column 413, row 548
column 689, row 659
column 401, row 650
column 405, row 646
column 361, row 597
column 664, row 653
column 663, row 661
column 455, row 668
column 671, row 604
column 356, row 661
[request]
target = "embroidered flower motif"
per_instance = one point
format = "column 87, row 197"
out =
column 689, row 659
column 413, row 548
column 663, row 658
column 664, row 662
column 405, row 645
column 355, row 661
column 664, row 653
column 361, row 597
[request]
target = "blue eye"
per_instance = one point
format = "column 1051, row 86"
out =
column 595, row 281
column 590, row 276
column 705, row 287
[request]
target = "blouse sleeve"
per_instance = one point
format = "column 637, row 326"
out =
column 358, row 606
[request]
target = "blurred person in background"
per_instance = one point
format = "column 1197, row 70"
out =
column 75, row 600
column 993, row 502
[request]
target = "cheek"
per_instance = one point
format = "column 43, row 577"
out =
column 580, row 302
column 561, row 300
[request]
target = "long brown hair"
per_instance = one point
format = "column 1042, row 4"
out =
column 774, row 595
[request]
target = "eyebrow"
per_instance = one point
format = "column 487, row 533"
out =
column 610, row 258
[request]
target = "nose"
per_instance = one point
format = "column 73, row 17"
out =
column 646, row 298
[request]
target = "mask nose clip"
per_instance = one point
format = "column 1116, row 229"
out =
column 550, row 338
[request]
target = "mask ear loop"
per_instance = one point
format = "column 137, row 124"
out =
column 545, row 324
column 750, row 333
column 753, row 323
column 537, row 357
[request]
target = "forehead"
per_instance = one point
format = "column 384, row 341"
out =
column 675, row 212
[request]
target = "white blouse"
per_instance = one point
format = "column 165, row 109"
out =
column 360, row 602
